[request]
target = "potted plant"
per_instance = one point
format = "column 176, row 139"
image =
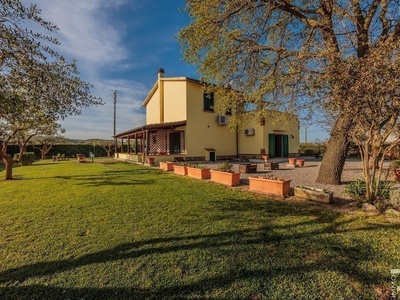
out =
column 225, row 175
column 198, row 171
column 292, row 161
column 300, row 163
column 320, row 195
column 167, row 165
column 180, row 168
column 270, row 185
column 150, row 160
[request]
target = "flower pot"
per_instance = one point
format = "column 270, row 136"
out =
column 292, row 161
column 226, row 178
column 180, row 170
column 167, row 165
column 300, row 163
column 198, row 173
column 270, row 186
column 313, row 194
column 150, row 160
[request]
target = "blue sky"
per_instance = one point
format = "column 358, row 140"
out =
column 120, row 45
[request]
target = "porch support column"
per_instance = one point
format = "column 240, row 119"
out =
column 136, row 145
column 129, row 145
column 145, row 146
column 142, row 143
column 122, row 145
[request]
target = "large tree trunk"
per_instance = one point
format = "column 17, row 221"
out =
column 330, row 171
column 22, row 150
column 9, row 164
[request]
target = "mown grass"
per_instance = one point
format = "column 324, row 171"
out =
column 112, row 230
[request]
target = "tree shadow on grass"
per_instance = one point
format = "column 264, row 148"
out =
column 291, row 245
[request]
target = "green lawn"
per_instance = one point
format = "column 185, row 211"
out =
column 112, row 230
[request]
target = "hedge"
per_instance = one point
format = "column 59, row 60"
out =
column 68, row 150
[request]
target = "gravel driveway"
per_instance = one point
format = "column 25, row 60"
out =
column 307, row 174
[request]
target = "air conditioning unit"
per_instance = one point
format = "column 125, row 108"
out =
column 249, row 131
column 222, row 120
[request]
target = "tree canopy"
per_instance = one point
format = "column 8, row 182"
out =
column 38, row 87
column 279, row 54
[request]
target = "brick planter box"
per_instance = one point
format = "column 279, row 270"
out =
column 313, row 194
column 198, row 173
column 226, row 178
column 270, row 186
column 180, row 170
column 167, row 165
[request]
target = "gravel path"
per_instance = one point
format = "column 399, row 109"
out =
column 307, row 175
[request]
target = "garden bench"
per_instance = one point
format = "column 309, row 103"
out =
column 81, row 158
column 271, row 166
column 248, row 168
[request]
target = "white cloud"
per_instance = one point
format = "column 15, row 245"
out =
column 86, row 32
column 89, row 34
column 99, row 121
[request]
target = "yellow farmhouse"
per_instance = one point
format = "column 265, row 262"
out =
column 180, row 122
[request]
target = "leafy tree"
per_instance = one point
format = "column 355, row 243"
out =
column 373, row 104
column 276, row 53
column 44, row 144
column 45, row 136
column 107, row 145
column 38, row 87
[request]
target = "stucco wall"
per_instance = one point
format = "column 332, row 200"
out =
column 153, row 109
column 174, row 100
column 260, row 140
column 202, row 130
column 253, row 143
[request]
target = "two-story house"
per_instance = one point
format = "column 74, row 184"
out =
column 180, row 122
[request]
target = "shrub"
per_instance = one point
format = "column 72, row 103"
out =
column 225, row 167
column 198, row 166
column 357, row 190
column 27, row 158
column 395, row 164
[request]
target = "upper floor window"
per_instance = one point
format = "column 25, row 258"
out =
column 208, row 101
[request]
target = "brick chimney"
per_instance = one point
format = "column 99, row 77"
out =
column 160, row 73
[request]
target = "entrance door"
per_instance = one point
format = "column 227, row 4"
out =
column 212, row 155
column 278, row 145
column 175, row 143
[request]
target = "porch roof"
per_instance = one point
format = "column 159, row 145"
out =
column 167, row 125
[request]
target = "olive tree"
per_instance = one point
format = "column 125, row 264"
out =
column 38, row 87
column 373, row 104
column 275, row 53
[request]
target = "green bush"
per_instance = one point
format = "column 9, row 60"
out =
column 27, row 158
column 225, row 167
column 357, row 190
column 395, row 164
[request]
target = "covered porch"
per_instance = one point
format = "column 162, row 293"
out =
column 152, row 143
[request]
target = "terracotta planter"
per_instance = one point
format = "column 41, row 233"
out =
column 270, row 186
column 313, row 194
column 292, row 161
column 150, row 160
column 226, row 178
column 180, row 170
column 198, row 173
column 300, row 163
column 167, row 165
